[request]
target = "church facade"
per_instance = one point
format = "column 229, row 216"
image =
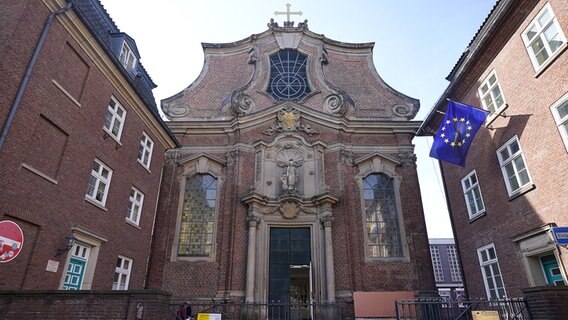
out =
column 296, row 179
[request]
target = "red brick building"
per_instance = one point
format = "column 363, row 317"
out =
column 296, row 179
column 510, row 193
column 81, row 149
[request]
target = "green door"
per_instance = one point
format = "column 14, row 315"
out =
column 551, row 270
column 289, row 262
column 75, row 271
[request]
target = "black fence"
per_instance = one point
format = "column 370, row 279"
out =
column 440, row 309
column 256, row 311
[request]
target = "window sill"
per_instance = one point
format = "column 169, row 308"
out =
column 386, row 260
column 477, row 216
column 522, row 191
column 195, row 259
column 544, row 66
column 492, row 117
column 132, row 223
column 39, row 173
column 143, row 166
column 107, row 134
column 95, row 203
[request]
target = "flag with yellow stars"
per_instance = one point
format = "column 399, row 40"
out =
column 456, row 132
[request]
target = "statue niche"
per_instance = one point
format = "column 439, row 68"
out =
column 290, row 178
column 290, row 158
column 289, row 167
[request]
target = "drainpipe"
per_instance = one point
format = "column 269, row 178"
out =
column 28, row 73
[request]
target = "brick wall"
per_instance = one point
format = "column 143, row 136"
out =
column 529, row 96
column 86, row 305
column 547, row 303
column 48, row 155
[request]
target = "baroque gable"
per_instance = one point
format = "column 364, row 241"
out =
column 295, row 64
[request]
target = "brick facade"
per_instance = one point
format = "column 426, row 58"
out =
column 231, row 128
column 518, row 225
column 56, row 135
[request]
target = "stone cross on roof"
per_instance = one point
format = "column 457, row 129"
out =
column 288, row 13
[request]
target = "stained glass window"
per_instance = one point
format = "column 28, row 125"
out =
column 288, row 79
column 198, row 216
column 381, row 217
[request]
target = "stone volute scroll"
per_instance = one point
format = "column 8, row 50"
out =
column 241, row 103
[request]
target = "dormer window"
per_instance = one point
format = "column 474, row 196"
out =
column 127, row 57
column 288, row 78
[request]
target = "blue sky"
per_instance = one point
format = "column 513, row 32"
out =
column 417, row 42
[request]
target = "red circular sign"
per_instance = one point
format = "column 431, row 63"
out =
column 11, row 240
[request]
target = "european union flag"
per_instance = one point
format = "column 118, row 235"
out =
column 456, row 132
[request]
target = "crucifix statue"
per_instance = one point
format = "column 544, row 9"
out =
column 288, row 13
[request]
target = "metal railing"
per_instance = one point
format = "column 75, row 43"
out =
column 257, row 311
column 441, row 309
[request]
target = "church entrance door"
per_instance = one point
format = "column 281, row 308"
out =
column 289, row 269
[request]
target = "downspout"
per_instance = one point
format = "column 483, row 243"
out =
column 454, row 233
column 28, row 73
column 153, row 230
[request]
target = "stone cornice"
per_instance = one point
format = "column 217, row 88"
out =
column 267, row 116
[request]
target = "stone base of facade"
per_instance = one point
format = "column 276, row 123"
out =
column 547, row 302
column 71, row 305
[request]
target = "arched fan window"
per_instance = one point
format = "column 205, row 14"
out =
column 288, row 79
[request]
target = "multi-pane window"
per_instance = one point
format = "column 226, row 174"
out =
column 381, row 217
column 472, row 194
column 453, row 262
column 135, row 206
column 560, row 113
column 145, row 150
column 513, row 166
column 198, row 216
column 437, row 264
column 127, row 57
column 491, row 272
column 99, row 182
column 543, row 37
column 491, row 95
column 122, row 273
column 114, row 119
column 288, row 77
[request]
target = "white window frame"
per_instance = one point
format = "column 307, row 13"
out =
column 114, row 119
column 491, row 94
column 145, row 151
column 127, row 57
column 97, row 178
column 561, row 122
column 477, row 211
column 135, row 204
column 540, row 27
column 122, row 272
column 495, row 271
column 511, row 161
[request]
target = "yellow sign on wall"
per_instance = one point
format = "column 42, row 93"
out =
column 485, row 315
column 212, row 316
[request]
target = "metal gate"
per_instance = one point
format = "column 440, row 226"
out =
column 441, row 309
column 256, row 311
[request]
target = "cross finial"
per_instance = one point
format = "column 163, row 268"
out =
column 288, row 13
